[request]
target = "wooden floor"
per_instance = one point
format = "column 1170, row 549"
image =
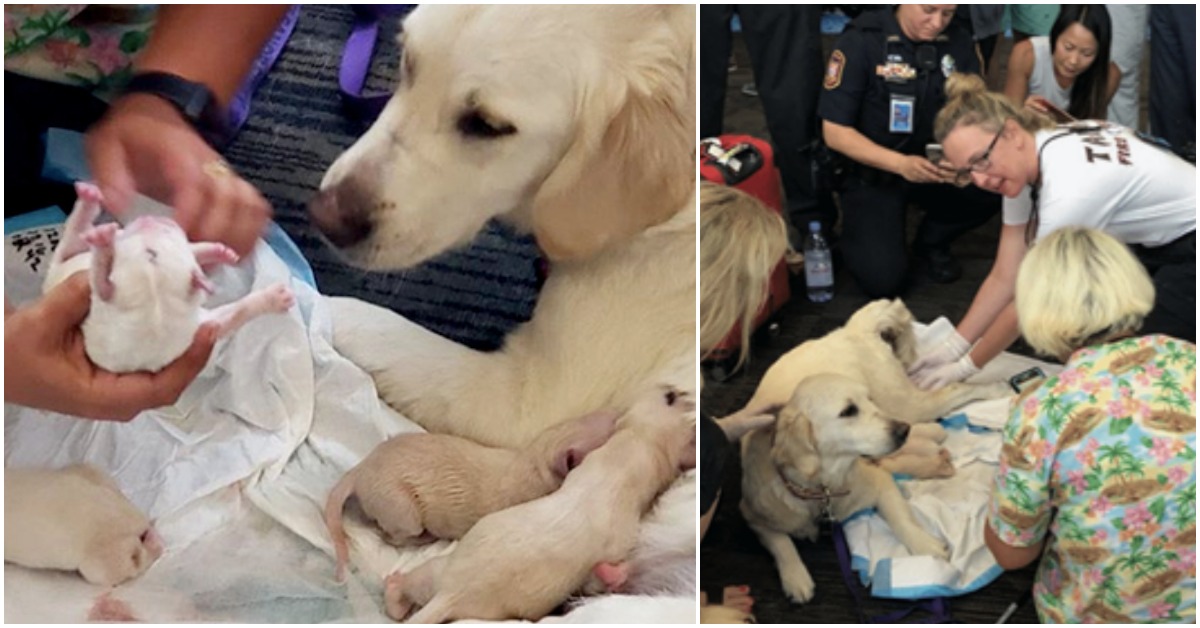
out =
column 730, row 553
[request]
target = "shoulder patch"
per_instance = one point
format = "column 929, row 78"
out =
column 833, row 72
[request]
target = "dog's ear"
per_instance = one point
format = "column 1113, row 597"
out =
column 794, row 444
column 631, row 164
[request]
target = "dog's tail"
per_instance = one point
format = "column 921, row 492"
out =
column 333, row 521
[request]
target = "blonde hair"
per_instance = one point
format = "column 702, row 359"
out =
column 741, row 241
column 969, row 103
column 1078, row 287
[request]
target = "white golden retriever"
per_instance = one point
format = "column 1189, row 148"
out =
column 874, row 347
column 573, row 122
column 813, row 462
column 862, row 364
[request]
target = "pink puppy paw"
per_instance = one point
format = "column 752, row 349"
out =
column 101, row 237
column 280, row 298
column 88, row 192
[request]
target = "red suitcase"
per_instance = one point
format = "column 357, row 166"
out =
column 747, row 163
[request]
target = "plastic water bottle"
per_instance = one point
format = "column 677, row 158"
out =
column 818, row 265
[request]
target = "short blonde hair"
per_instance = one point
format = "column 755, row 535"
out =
column 1078, row 287
column 969, row 103
column 741, row 241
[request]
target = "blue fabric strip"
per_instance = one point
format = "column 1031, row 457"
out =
column 44, row 217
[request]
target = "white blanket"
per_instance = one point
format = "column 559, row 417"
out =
column 236, row 476
column 954, row 509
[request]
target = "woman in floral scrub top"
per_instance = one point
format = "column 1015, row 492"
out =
column 1098, row 464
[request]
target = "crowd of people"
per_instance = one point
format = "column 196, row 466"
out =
column 1095, row 265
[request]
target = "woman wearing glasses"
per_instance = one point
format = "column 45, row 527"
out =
column 883, row 86
column 1088, row 174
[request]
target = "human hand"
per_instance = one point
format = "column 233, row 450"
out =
column 143, row 145
column 917, row 169
column 951, row 348
column 946, row 374
column 49, row 369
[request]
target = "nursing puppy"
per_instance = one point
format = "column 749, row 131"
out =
column 524, row 561
column 423, row 487
column 147, row 287
column 76, row 519
column 814, row 462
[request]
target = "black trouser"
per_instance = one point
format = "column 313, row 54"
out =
column 1172, row 267
column 873, row 225
column 1173, row 73
column 30, row 107
column 784, row 42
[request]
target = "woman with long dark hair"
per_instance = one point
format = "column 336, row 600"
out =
column 1070, row 68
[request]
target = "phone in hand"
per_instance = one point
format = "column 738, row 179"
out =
column 1026, row 379
column 933, row 152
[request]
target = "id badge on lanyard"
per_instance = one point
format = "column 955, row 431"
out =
column 901, row 113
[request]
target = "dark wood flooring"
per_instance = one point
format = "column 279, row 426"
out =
column 730, row 553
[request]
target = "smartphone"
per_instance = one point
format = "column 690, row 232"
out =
column 1026, row 379
column 933, row 152
column 1058, row 115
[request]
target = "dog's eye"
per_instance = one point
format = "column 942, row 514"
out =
column 474, row 124
column 849, row 412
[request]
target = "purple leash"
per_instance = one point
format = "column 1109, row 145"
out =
column 356, row 60
column 938, row 607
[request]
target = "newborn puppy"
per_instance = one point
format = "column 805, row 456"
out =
column 423, row 487
column 524, row 561
column 75, row 518
column 147, row 287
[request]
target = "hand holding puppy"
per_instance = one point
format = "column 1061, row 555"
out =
column 50, row 369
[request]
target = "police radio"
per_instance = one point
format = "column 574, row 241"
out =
column 927, row 57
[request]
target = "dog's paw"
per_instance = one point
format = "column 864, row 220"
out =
column 279, row 298
column 88, row 193
column 101, row 237
column 945, row 466
column 927, row 545
column 394, row 602
column 798, row 586
column 927, row 431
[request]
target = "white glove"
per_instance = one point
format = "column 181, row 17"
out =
column 945, row 352
column 941, row 376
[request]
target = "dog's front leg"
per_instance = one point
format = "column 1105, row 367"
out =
column 797, row 583
column 442, row 385
column 898, row 514
column 913, row 405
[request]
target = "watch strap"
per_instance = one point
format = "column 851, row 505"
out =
column 195, row 101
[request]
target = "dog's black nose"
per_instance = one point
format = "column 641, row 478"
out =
column 343, row 223
column 899, row 432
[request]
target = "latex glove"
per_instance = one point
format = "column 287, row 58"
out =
column 143, row 145
column 946, row 374
column 948, row 350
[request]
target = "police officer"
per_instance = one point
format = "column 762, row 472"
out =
column 883, row 86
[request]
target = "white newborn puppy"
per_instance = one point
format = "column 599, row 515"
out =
column 423, row 487
column 147, row 287
column 524, row 561
column 76, row 518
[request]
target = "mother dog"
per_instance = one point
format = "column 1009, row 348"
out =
column 575, row 123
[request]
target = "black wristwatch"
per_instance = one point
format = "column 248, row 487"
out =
column 195, row 102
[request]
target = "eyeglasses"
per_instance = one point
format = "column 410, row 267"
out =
column 982, row 163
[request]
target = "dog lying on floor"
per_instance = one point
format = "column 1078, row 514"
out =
column 814, row 462
column 575, row 123
column 870, row 356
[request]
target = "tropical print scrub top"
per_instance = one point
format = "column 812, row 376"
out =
column 1102, row 459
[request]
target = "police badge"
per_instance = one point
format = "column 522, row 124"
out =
column 947, row 66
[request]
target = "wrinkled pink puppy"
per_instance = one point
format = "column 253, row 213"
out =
column 147, row 287
column 423, row 487
column 76, row 518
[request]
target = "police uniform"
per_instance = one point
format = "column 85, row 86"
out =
column 890, row 88
column 784, row 42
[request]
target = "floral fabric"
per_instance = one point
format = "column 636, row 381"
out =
column 91, row 46
column 1102, row 459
